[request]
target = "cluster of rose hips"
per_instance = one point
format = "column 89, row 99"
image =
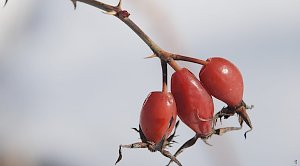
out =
column 191, row 99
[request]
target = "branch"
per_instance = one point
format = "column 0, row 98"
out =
column 100, row 5
column 189, row 59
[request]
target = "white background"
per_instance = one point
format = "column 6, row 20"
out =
column 72, row 82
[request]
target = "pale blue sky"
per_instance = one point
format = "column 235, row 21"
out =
column 72, row 82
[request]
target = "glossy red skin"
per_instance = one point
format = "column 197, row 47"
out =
column 223, row 80
column 194, row 105
column 156, row 113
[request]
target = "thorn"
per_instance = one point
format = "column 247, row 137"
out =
column 119, row 4
column 150, row 56
column 110, row 12
column 74, row 3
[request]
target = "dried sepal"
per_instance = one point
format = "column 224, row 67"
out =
column 221, row 131
column 240, row 110
column 151, row 146
column 187, row 144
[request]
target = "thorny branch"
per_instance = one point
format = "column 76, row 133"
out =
column 100, row 5
column 169, row 58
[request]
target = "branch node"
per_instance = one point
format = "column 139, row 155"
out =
column 122, row 14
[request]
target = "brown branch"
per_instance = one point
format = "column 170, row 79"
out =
column 100, row 5
column 189, row 59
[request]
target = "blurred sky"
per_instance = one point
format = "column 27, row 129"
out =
column 72, row 82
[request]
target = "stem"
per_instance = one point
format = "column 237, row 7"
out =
column 97, row 4
column 153, row 46
column 189, row 59
column 174, row 65
column 123, row 16
column 164, row 69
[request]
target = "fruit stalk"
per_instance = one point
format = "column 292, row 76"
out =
column 189, row 59
column 164, row 69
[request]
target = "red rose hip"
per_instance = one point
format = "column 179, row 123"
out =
column 194, row 105
column 223, row 80
column 157, row 120
column 157, row 110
